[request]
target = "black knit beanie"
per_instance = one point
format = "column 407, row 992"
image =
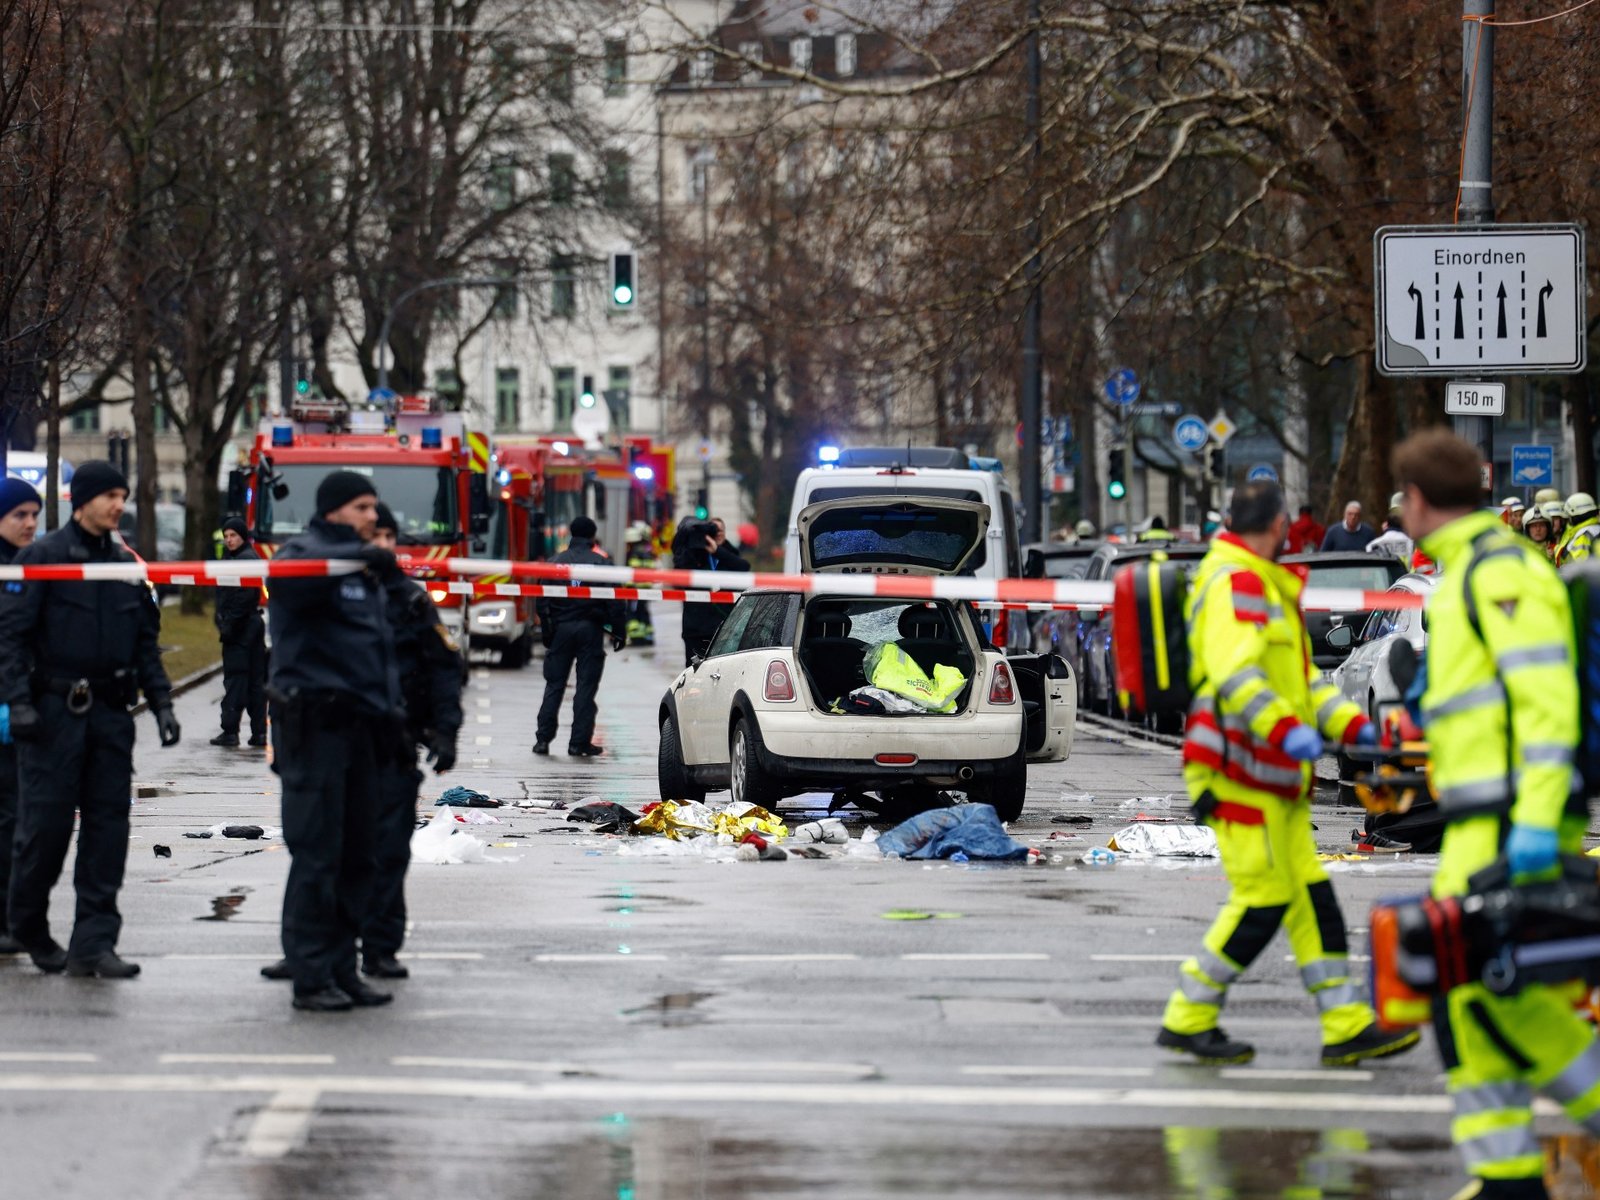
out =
column 339, row 488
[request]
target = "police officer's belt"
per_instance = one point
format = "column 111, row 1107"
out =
column 82, row 691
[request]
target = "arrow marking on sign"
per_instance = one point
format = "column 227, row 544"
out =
column 1539, row 326
column 1412, row 291
column 1501, row 326
column 1461, row 331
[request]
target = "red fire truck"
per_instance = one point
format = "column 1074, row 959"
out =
column 539, row 485
column 417, row 457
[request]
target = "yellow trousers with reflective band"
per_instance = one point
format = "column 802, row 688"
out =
column 1276, row 880
column 1498, row 1051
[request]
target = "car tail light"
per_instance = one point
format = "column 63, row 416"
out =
column 1001, row 690
column 780, row 683
column 895, row 760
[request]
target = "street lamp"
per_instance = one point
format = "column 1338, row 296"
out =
column 388, row 317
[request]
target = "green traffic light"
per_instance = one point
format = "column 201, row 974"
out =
column 302, row 386
column 622, row 295
column 1117, row 489
column 701, row 512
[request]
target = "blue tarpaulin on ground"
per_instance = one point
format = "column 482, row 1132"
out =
column 970, row 829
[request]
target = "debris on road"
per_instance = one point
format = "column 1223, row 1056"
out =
column 248, row 833
column 1165, row 841
column 605, row 816
column 163, row 851
column 829, row 830
column 972, row 829
column 1071, row 818
column 439, row 842
column 1098, row 856
column 465, row 797
column 688, row 819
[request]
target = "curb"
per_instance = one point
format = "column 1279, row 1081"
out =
column 187, row 684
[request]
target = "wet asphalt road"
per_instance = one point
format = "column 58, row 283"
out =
column 583, row 1024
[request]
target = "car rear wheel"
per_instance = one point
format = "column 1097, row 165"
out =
column 1006, row 791
column 672, row 777
column 749, row 781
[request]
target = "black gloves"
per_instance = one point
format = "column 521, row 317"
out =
column 166, row 725
column 380, row 562
column 25, row 725
column 617, row 642
column 442, row 752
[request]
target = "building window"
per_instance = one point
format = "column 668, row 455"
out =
column 502, row 182
column 616, row 67
column 447, row 382
column 507, row 397
column 562, row 57
column 562, row 178
column 749, row 70
column 563, row 286
column 619, row 395
column 699, row 173
column 844, row 54
column 504, row 305
column 87, row 421
column 701, row 67
column 800, row 53
column 564, row 390
column 614, row 185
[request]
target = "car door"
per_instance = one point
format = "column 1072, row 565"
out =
column 703, row 700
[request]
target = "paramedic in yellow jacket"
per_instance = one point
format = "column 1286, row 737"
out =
column 1501, row 712
column 1257, row 723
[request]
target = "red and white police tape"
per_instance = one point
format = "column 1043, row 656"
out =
column 613, row 582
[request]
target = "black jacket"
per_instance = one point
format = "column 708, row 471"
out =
column 689, row 553
column 237, row 606
column 555, row 611
column 76, row 630
column 331, row 633
column 427, row 658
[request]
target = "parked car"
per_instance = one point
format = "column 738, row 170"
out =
column 1056, row 632
column 1099, row 687
column 762, row 716
column 1365, row 677
column 1342, row 569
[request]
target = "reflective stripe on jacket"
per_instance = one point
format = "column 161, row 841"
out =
column 1253, row 679
column 1577, row 543
column 1501, row 708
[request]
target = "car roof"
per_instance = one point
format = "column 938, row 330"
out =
column 1352, row 557
column 1421, row 584
column 1145, row 549
column 1062, row 549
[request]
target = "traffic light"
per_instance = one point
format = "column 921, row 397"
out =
column 702, row 504
column 586, row 397
column 1215, row 463
column 623, row 289
column 1116, row 477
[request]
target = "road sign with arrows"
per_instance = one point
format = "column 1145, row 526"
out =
column 1484, row 299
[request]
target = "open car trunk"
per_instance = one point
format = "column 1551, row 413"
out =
column 838, row 633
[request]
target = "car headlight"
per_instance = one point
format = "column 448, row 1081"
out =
column 495, row 616
column 438, row 595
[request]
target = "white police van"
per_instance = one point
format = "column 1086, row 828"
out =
column 922, row 471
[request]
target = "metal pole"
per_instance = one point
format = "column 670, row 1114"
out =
column 285, row 367
column 1477, row 160
column 1032, row 362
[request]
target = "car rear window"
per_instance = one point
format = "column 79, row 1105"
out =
column 1066, row 568
column 926, row 537
column 1374, row 578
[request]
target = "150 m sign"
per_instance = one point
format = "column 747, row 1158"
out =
column 1486, row 299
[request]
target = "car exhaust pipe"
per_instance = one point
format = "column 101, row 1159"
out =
column 964, row 774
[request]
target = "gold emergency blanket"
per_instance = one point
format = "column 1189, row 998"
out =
column 680, row 820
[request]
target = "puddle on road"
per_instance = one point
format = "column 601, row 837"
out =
column 674, row 1010
column 629, row 902
column 224, row 908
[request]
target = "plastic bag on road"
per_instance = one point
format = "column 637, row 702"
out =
column 830, row 830
column 465, row 797
column 1166, row 841
column 1152, row 804
column 970, row 829
column 439, row 842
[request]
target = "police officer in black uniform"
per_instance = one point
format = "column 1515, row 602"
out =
column 430, row 685
column 73, row 657
column 573, row 631
column 243, row 634
column 336, row 718
column 19, row 520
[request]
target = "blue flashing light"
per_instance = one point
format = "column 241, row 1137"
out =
column 283, row 435
column 502, row 476
column 432, row 437
column 827, row 454
column 981, row 463
column 644, row 474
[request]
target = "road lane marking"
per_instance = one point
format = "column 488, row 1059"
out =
column 484, row 701
column 252, row 1060
column 47, row 1056
column 876, row 1094
column 739, row 1066
column 282, row 1123
column 1104, row 1072
column 774, row 958
column 442, row 955
column 483, row 740
column 487, row 1064
column 1027, row 957
column 1138, row 958
column 584, row 958
column 1290, row 1074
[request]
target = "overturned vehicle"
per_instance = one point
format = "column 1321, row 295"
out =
column 889, row 702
